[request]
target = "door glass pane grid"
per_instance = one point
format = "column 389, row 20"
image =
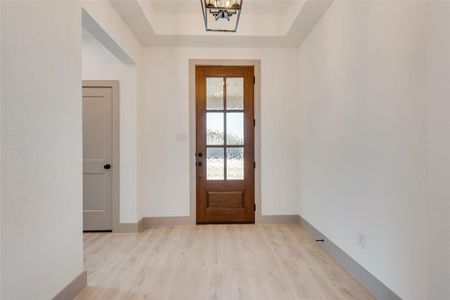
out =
column 235, row 128
column 225, row 93
column 215, row 128
column 235, row 163
column 215, row 93
column 234, row 93
column 215, row 163
column 221, row 167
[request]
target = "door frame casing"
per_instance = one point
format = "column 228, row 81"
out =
column 256, row 63
column 115, row 170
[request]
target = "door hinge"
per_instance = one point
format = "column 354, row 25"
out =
column 254, row 122
column 254, row 207
column 254, row 80
column 254, row 165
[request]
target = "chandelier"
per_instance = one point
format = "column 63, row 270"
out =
column 221, row 15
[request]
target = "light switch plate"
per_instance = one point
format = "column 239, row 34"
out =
column 181, row 137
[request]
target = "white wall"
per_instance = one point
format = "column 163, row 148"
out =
column 41, row 244
column 100, row 64
column 110, row 21
column 1, row 204
column 438, row 100
column 121, row 36
column 164, row 113
column 363, row 137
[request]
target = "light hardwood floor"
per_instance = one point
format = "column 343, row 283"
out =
column 214, row 262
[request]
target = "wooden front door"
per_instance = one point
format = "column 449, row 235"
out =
column 225, row 144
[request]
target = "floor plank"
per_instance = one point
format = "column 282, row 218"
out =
column 214, row 262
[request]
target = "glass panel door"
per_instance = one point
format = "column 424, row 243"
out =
column 225, row 144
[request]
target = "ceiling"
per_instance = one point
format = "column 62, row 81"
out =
column 263, row 23
column 194, row 6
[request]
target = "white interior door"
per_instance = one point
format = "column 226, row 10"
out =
column 97, row 158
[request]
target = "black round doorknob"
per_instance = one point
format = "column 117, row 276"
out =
column 107, row 167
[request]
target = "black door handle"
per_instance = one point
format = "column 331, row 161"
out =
column 107, row 167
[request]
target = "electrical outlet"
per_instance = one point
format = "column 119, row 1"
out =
column 361, row 240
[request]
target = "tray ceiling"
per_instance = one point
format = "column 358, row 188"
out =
column 274, row 23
